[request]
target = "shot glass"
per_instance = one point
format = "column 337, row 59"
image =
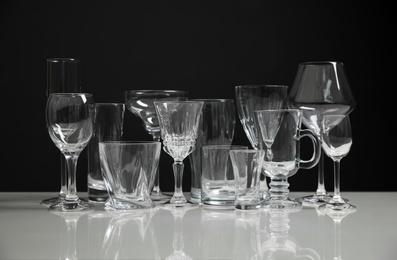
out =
column 247, row 169
column 108, row 126
column 129, row 169
column 217, row 178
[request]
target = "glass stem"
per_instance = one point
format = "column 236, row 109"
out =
column 337, row 196
column 178, row 196
column 71, row 161
column 321, row 186
column 156, row 186
column 64, row 169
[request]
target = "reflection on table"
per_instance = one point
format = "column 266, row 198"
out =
column 199, row 233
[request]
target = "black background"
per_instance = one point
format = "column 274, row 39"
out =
column 205, row 47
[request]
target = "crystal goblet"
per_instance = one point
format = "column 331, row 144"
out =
column 179, row 125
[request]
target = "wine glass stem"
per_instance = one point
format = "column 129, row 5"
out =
column 64, row 169
column 156, row 186
column 71, row 161
column 321, row 186
column 337, row 196
column 178, row 175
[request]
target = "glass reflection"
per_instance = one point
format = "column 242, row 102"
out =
column 279, row 244
column 130, row 235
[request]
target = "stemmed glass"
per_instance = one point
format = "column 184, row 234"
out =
column 179, row 122
column 140, row 103
column 337, row 141
column 69, row 119
column 320, row 88
column 250, row 98
column 63, row 76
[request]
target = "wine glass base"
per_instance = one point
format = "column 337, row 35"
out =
column 53, row 200
column 71, row 206
column 314, row 200
column 171, row 205
column 281, row 204
column 159, row 196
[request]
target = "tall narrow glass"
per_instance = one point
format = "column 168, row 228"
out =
column 320, row 88
column 179, row 125
column 250, row 98
column 63, row 76
column 140, row 103
column 70, row 123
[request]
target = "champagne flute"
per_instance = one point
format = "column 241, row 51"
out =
column 337, row 141
column 140, row 103
column 179, row 121
column 320, row 88
column 63, row 76
column 69, row 119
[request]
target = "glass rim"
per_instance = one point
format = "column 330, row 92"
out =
column 63, row 60
column 278, row 110
column 156, row 90
column 225, row 146
column 213, row 99
column 317, row 63
column 110, row 104
column 71, row 94
column 190, row 101
column 130, row 142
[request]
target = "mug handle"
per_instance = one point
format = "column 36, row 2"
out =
column 307, row 164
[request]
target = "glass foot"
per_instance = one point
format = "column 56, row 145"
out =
column 71, row 206
column 159, row 196
column 314, row 200
column 281, row 204
column 187, row 204
column 340, row 205
column 53, row 200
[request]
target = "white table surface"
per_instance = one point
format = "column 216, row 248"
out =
column 29, row 231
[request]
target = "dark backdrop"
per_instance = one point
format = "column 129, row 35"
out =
column 205, row 47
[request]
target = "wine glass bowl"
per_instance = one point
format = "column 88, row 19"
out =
column 320, row 88
column 179, row 126
column 140, row 103
column 69, row 118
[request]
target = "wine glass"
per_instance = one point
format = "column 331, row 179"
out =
column 337, row 141
column 179, row 122
column 320, row 88
column 140, row 103
column 250, row 98
column 63, row 76
column 69, row 119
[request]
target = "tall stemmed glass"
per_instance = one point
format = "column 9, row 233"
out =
column 320, row 88
column 63, row 76
column 179, row 122
column 140, row 103
column 250, row 98
column 337, row 141
column 69, row 119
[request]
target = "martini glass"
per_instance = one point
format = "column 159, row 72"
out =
column 179, row 121
column 320, row 88
column 140, row 103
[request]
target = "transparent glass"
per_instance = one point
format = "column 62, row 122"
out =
column 320, row 88
column 63, row 76
column 140, row 103
column 216, row 127
column 70, row 123
column 337, row 141
column 179, row 124
column 282, row 129
column 250, row 98
column 129, row 169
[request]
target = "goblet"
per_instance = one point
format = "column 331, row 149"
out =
column 70, row 125
column 258, row 97
column 337, row 141
column 320, row 88
column 179, row 122
column 140, row 103
column 63, row 76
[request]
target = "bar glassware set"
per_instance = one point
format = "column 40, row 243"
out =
column 124, row 175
